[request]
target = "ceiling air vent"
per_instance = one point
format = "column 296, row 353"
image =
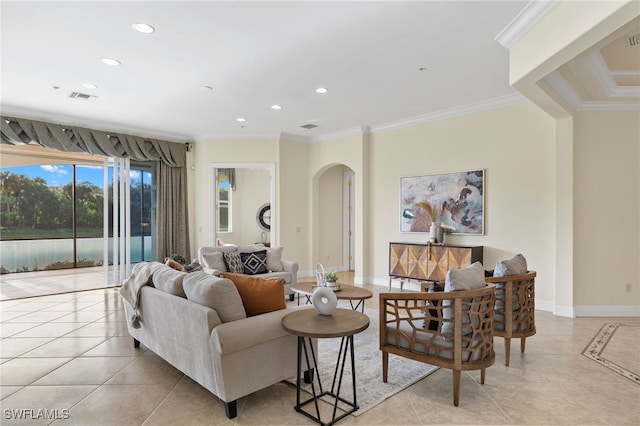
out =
column 309, row 126
column 633, row 40
column 82, row 96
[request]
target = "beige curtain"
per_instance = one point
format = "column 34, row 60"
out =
column 172, row 214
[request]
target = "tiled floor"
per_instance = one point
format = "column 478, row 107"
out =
column 30, row 284
column 71, row 353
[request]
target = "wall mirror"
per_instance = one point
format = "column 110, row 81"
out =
column 243, row 203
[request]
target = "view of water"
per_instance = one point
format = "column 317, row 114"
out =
column 31, row 255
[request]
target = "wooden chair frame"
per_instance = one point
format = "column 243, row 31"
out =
column 411, row 326
column 515, row 310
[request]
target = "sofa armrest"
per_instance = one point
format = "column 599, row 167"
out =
column 237, row 335
column 292, row 268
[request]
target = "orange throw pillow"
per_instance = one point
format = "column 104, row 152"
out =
column 259, row 295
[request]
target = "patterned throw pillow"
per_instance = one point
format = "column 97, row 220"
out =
column 255, row 262
column 233, row 262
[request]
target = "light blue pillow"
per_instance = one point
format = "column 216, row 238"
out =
column 469, row 278
column 515, row 266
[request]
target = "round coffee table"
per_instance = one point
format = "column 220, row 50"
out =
column 309, row 324
column 346, row 292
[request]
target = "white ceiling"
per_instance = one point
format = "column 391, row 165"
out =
column 369, row 54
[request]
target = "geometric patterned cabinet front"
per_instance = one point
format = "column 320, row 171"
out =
column 429, row 262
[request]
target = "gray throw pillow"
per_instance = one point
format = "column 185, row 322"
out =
column 219, row 294
column 214, row 260
column 274, row 259
column 515, row 266
column 469, row 278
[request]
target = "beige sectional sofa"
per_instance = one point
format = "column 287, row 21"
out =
column 197, row 323
column 212, row 260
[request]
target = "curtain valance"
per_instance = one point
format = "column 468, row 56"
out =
column 16, row 131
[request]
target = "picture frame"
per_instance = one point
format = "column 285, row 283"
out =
column 455, row 199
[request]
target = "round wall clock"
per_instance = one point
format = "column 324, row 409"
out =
column 264, row 217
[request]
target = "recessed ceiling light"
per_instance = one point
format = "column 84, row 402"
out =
column 322, row 90
column 143, row 28
column 276, row 106
column 89, row 85
column 110, row 61
column 240, row 119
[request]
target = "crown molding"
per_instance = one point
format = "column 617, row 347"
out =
column 486, row 105
column 566, row 92
column 528, row 17
column 558, row 83
column 284, row 136
column 353, row 131
column 604, row 75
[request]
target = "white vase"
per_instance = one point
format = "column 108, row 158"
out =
column 324, row 300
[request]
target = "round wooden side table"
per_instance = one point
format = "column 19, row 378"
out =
column 346, row 292
column 309, row 324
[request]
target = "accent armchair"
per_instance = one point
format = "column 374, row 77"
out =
column 515, row 310
column 457, row 334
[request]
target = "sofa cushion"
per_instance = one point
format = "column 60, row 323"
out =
column 259, row 295
column 255, row 262
column 515, row 266
column 274, row 259
column 470, row 278
column 169, row 280
column 233, row 262
column 216, row 293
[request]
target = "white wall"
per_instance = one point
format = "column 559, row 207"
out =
column 253, row 189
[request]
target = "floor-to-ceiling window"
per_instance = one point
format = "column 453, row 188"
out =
column 51, row 216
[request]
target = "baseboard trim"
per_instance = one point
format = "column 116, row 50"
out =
column 607, row 311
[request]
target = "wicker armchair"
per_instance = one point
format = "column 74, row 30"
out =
column 514, row 314
column 415, row 326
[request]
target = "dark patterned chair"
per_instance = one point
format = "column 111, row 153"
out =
column 451, row 330
column 514, row 314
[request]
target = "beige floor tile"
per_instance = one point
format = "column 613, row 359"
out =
column 24, row 371
column 13, row 347
column 85, row 371
column 116, row 346
column 122, row 405
column 147, row 369
column 39, row 316
column 100, row 329
column 50, row 329
column 190, row 403
column 81, row 316
column 10, row 329
column 65, row 347
column 56, row 401
column 5, row 391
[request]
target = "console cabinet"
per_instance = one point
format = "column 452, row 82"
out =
column 429, row 262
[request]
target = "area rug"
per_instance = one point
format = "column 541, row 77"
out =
column 613, row 339
column 370, row 390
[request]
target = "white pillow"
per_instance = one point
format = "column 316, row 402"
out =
column 515, row 266
column 274, row 259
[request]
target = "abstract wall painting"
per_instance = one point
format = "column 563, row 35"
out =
column 454, row 201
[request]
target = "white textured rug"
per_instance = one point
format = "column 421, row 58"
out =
column 370, row 390
column 612, row 352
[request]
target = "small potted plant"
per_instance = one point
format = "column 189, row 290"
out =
column 330, row 278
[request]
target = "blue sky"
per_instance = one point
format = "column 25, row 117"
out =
column 61, row 174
